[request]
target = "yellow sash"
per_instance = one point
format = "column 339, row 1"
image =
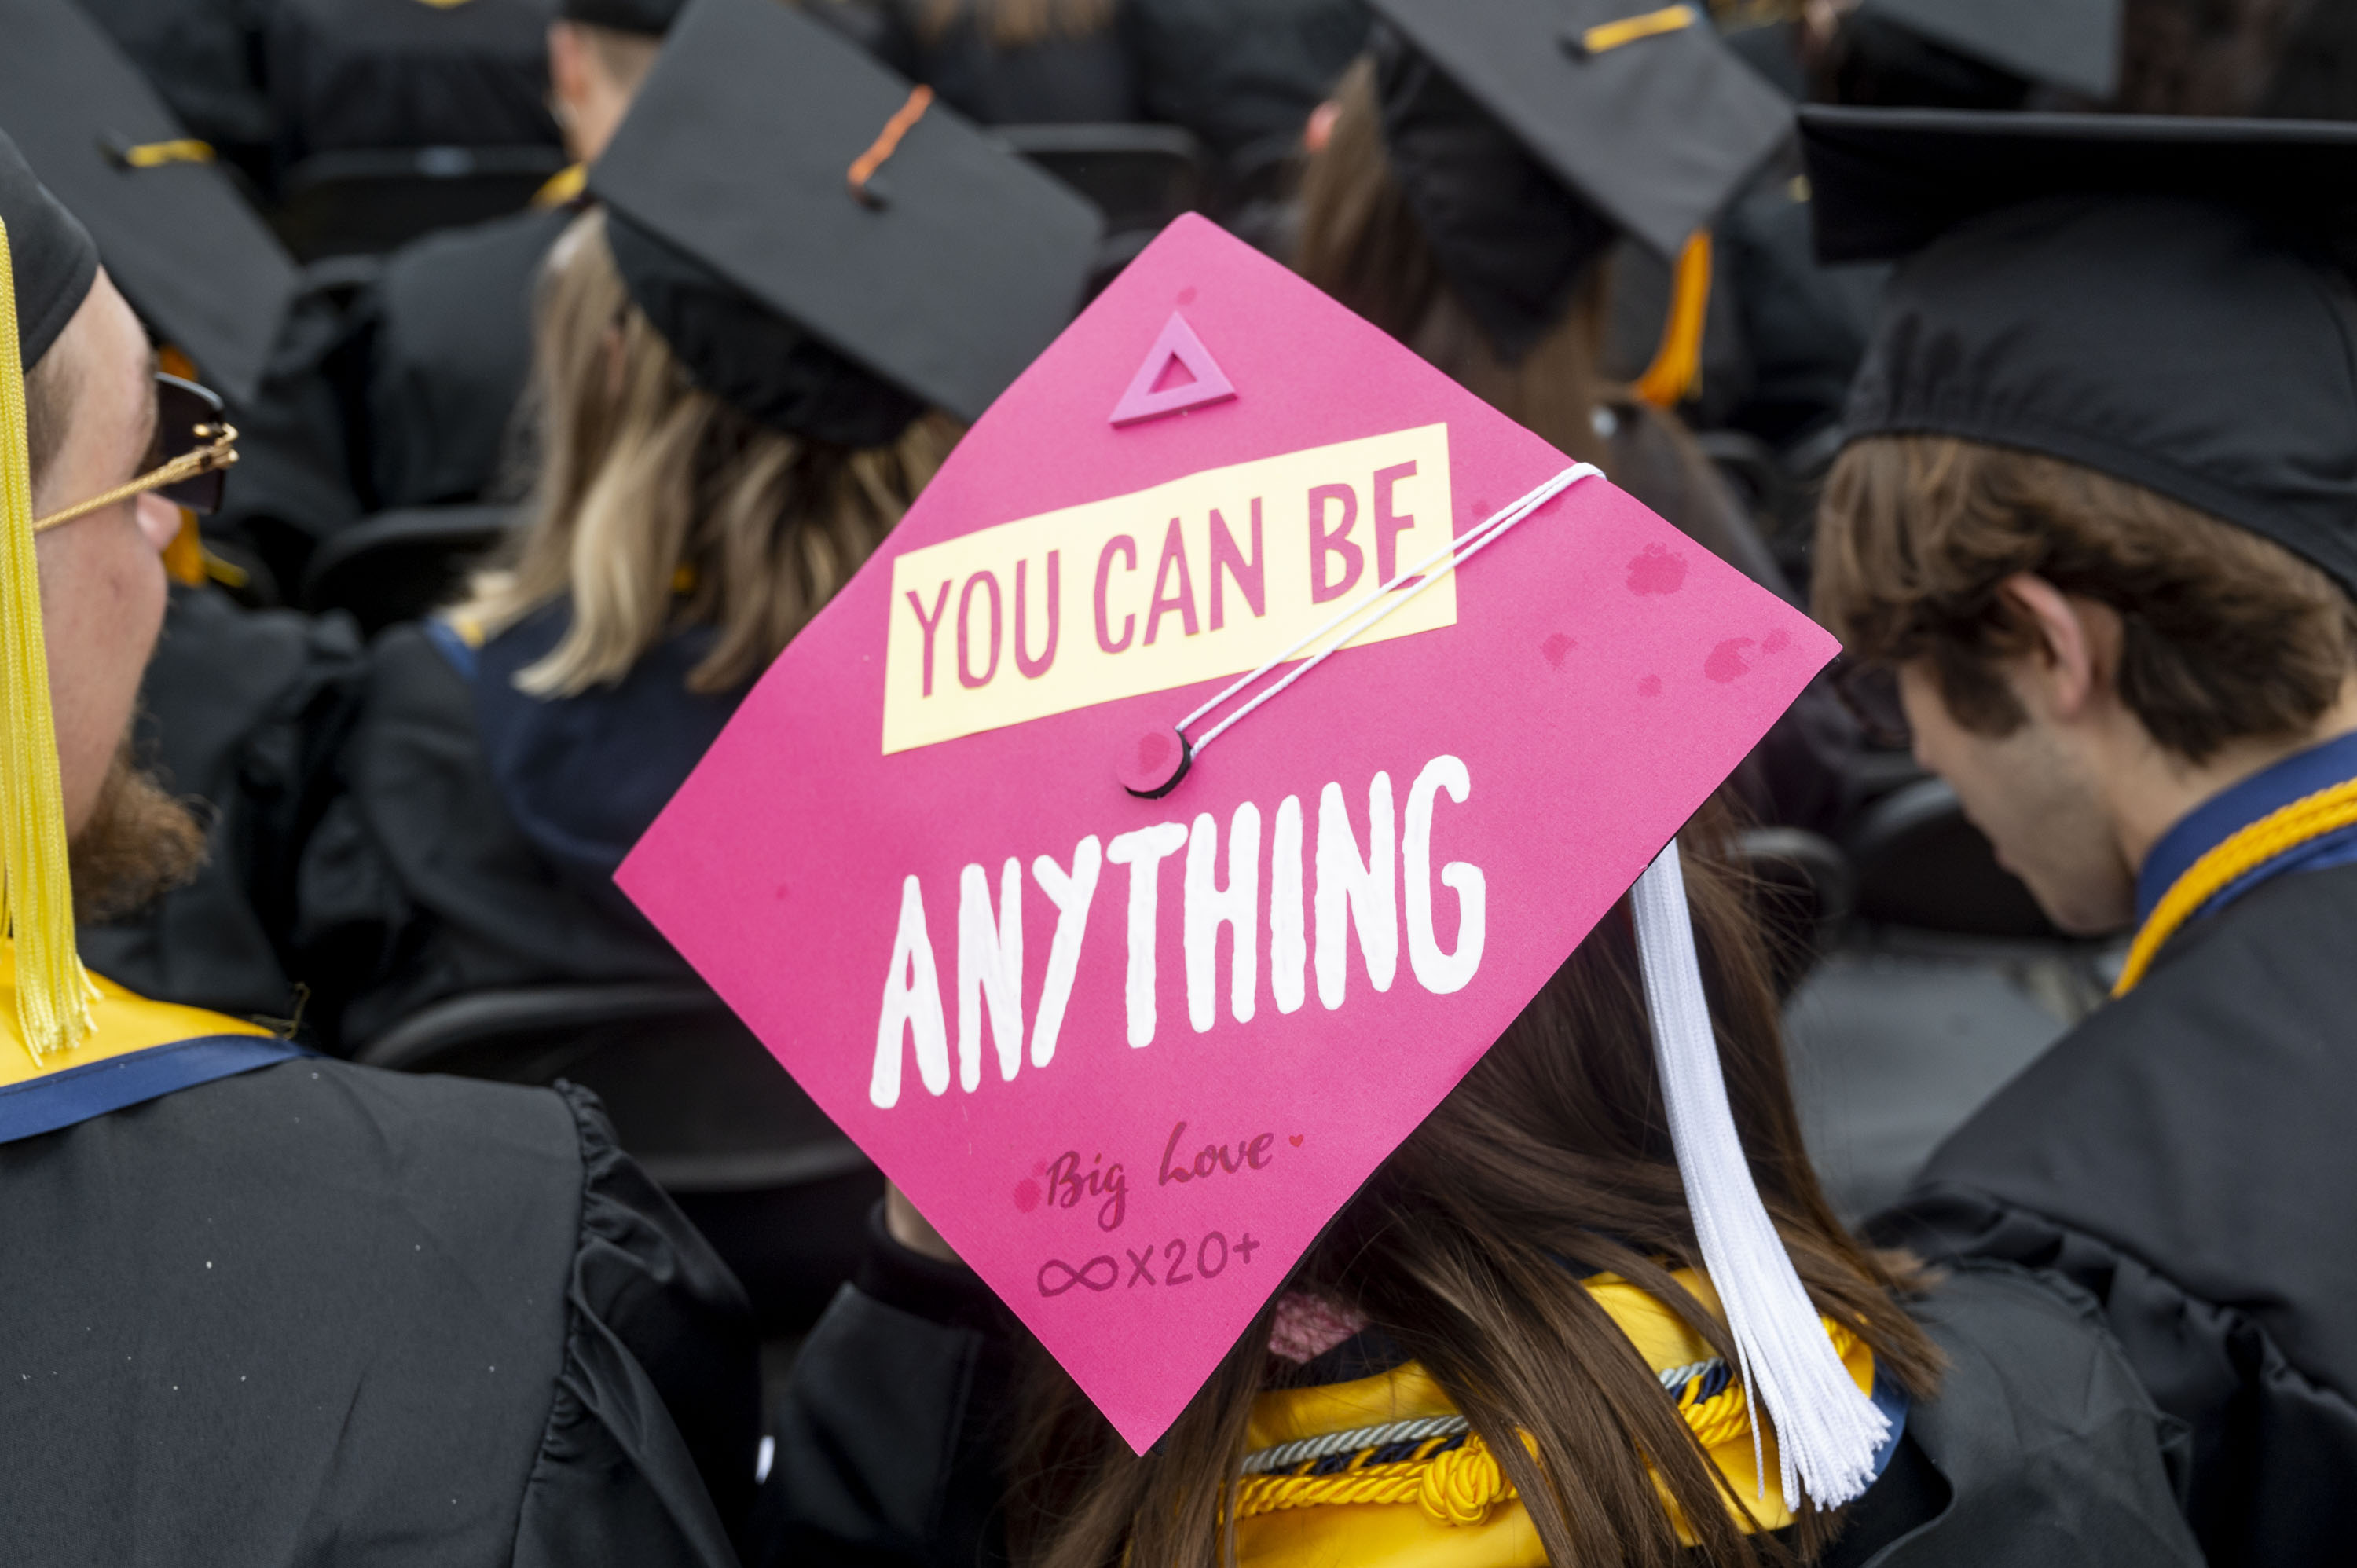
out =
column 126, row 1023
column 1449, row 1505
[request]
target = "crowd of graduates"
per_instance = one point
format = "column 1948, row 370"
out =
column 436, row 415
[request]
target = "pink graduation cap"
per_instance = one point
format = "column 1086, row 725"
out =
column 1174, row 808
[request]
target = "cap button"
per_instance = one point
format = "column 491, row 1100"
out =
column 1151, row 765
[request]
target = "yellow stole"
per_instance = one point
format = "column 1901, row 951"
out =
column 127, row 1023
column 1451, row 1506
column 2278, row 833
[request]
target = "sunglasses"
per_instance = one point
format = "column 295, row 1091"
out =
column 188, row 461
column 1870, row 693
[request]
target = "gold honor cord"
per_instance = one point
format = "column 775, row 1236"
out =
column 53, row 994
column 2327, row 810
column 1461, row 1485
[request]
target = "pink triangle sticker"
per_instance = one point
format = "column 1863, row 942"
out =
column 1179, row 374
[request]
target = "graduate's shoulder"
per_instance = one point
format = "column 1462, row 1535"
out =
column 2040, row 1429
column 466, row 271
column 2188, row 1131
column 2228, row 1051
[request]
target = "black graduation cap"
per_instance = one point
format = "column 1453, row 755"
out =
column 174, row 232
column 50, row 255
column 774, row 180
column 1885, row 182
column 2072, row 44
column 1495, row 110
column 2165, row 300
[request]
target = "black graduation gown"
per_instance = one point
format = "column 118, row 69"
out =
column 1245, row 75
column 477, row 829
column 1800, row 326
column 200, row 56
column 365, row 74
column 241, row 709
column 315, row 1313
column 294, row 483
column 2041, row 1450
column 2185, row 1154
column 446, row 329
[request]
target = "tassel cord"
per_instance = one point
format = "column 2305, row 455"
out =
column 1827, row 1431
column 53, row 991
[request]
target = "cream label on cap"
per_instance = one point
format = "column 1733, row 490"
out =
column 1206, row 575
column 1132, row 1055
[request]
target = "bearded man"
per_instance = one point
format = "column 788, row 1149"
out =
column 260, row 1307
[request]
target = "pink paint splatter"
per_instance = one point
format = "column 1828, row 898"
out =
column 1649, row 686
column 1555, row 649
column 1659, row 569
column 1187, row 297
column 1727, row 662
column 1026, row 1195
column 1775, row 641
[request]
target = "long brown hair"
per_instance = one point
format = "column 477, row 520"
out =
column 659, row 504
column 1551, row 1161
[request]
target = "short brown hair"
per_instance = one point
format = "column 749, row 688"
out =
column 2225, row 635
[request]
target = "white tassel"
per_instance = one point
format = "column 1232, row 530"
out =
column 1827, row 1432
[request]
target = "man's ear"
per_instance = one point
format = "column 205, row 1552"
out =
column 2076, row 643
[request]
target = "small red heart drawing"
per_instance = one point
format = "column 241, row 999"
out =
column 1297, row 1140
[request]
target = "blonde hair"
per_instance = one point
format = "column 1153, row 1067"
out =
column 1013, row 24
column 659, row 506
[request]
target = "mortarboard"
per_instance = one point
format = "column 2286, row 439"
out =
column 48, row 264
column 1131, row 1016
column 1527, row 134
column 781, row 204
column 2165, row 300
column 176, row 236
column 2072, row 44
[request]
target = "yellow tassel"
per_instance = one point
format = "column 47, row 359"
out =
column 156, row 154
column 53, row 994
column 1630, row 30
column 1676, row 370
